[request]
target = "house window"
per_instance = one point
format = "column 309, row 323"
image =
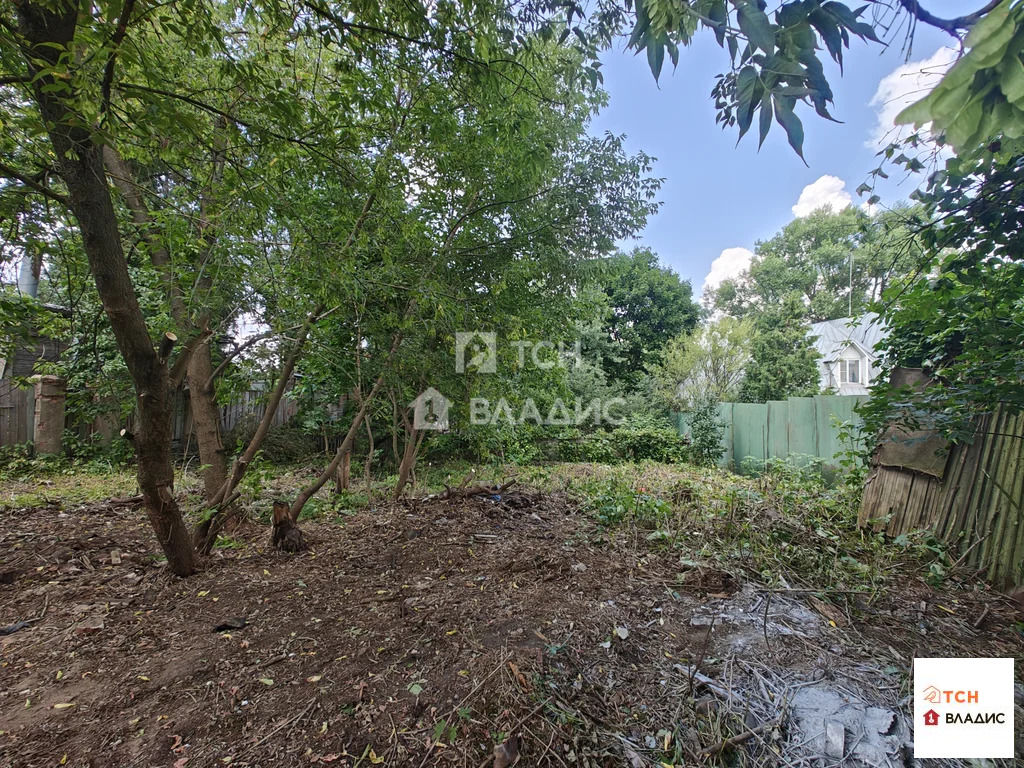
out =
column 849, row 371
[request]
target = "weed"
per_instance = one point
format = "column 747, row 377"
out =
column 227, row 541
column 335, row 507
column 791, row 526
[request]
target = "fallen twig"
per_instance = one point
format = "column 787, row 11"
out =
column 278, row 728
column 732, row 741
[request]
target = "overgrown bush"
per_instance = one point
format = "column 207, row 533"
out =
column 528, row 444
column 706, row 430
column 79, row 454
column 635, row 443
column 523, row 444
column 282, row 445
column 597, row 447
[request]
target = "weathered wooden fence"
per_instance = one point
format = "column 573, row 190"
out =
column 17, row 410
column 972, row 500
column 799, row 428
column 251, row 404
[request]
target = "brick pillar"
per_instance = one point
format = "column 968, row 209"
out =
column 49, row 419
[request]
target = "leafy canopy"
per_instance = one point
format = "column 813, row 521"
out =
column 783, row 359
column 836, row 262
column 649, row 304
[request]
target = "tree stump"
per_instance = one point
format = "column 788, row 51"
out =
column 286, row 534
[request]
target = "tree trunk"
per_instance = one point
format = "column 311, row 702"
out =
column 206, row 419
column 206, row 530
column 344, row 473
column 345, row 447
column 407, row 467
column 205, row 414
column 48, row 32
column 368, row 465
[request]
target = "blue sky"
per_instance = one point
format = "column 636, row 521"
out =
column 718, row 196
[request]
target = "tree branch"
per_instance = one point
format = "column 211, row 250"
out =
column 953, row 26
column 235, row 353
column 115, row 44
column 34, row 185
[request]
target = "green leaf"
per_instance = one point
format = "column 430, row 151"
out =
column 765, row 123
column 719, row 14
column 827, row 27
column 754, row 23
column 917, row 114
column 655, row 56
column 643, row 23
column 991, row 35
column 791, row 14
column 964, row 126
column 949, row 102
column 1011, row 80
column 790, row 123
column 746, row 87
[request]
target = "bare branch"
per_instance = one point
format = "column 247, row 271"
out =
column 953, row 26
column 34, row 185
column 115, row 44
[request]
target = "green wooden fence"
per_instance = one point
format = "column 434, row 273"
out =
column 799, row 429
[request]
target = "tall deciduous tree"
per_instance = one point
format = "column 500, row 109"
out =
column 783, row 359
column 710, row 362
column 649, row 305
column 837, row 262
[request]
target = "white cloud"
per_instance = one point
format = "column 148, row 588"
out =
column 731, row 263
column 902, row 87
column 826, row 191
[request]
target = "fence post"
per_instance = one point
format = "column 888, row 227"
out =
column 48, row 427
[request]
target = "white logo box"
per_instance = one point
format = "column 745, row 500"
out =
column 973, row 701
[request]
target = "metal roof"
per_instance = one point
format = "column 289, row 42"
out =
column 830, row 336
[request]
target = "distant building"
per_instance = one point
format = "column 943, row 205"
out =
column 848, row 363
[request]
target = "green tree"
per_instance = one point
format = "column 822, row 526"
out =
column 783, row 360
column 961, row 318
column 649, row 304
column 120, row 104
column 709, row 362
column 837, row 262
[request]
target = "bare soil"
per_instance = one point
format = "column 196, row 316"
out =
column 468, row 632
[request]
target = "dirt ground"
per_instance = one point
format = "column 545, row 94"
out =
column 466, row 632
